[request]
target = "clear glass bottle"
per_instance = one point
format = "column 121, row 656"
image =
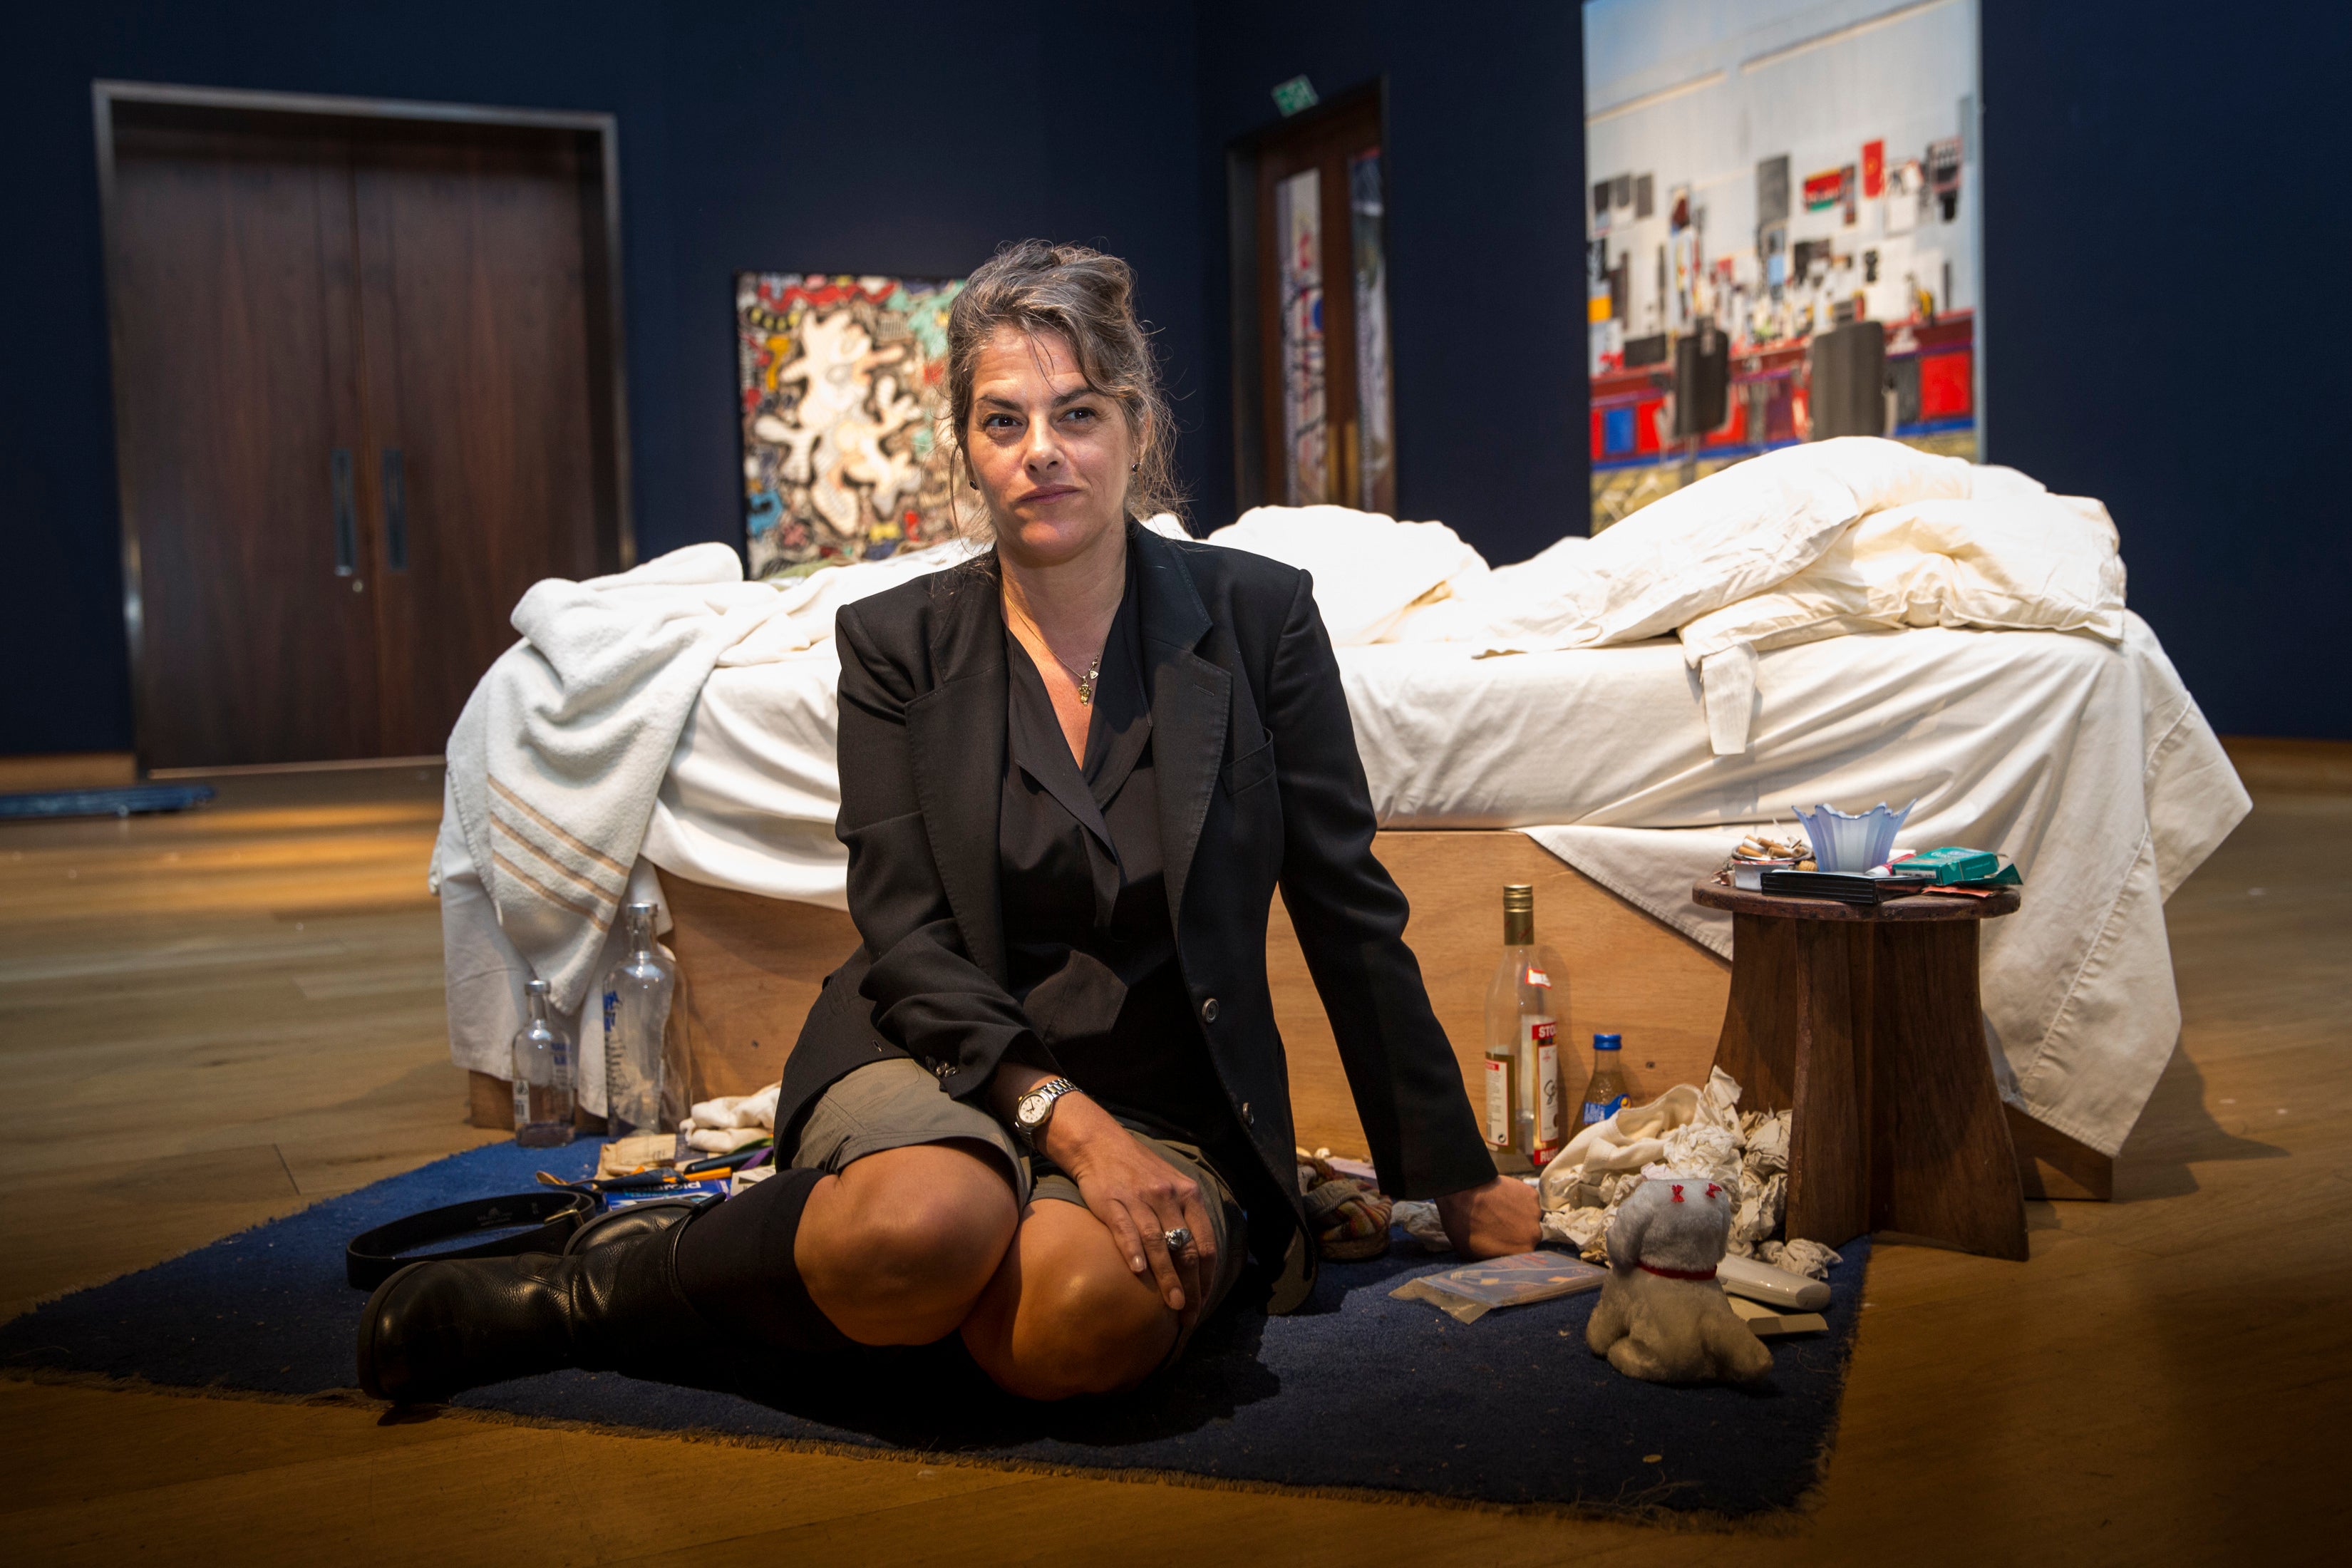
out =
column 1524, row 1004
column 1604, row 1092
column 637, row 989
column 542, row 1076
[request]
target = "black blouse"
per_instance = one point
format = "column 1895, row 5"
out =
column 1088, row 944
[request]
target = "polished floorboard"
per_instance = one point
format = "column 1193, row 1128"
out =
column 211, row 1019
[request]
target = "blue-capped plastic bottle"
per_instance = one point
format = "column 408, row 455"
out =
column 542, row 1076
column 1604, row 1092
column 637, row 991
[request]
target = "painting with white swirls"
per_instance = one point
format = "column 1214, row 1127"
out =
column 841, row 380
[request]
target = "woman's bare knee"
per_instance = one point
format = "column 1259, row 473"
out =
column 896, row 1248
column 1065, row 1316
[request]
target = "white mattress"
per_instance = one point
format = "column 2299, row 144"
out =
column 2087, row 762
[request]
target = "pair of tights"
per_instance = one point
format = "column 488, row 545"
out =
column 735, row 1265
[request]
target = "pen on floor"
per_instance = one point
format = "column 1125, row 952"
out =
column 732, row 1159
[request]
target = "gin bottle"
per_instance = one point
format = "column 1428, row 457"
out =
column 542, row 1077
column 637, row 992
column 1524, row 1003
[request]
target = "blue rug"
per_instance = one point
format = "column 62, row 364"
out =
column 138, row 800
column 1357, row 1392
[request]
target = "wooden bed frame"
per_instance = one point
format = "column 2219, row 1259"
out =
column 752, row 967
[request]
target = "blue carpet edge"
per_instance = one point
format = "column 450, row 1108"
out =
column 557, row 1401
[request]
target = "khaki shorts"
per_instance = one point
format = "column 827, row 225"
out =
column 894, row 1104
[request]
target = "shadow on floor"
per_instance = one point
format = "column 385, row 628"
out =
column 2176, row 1130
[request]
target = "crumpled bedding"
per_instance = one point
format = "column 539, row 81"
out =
column 2077, row 752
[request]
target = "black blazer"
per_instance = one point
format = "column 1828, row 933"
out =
column 1260, row 786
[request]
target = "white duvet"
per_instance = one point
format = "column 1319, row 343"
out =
column 1809, row 542
column 1638, row 759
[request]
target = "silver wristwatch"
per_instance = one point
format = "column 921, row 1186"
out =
column 1035, row 1109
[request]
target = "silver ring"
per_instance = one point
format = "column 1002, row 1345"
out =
column 1178, row 1240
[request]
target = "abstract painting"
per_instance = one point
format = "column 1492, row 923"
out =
column 1822, row 212
column 842, row 382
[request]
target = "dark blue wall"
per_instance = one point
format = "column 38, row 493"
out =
column 2165, row 263
column 1485, row 229
column 799, row 137
column 2161, row 257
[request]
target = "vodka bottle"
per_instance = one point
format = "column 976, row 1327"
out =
column 637, row 992
column 1604, row 1092
column 1530, row 992
column 542, row 1077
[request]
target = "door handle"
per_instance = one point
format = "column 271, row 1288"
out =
column 347, row 526
column 395, row 509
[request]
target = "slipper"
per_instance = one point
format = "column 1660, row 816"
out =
column 1350, row 1217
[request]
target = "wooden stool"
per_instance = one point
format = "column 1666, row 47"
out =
column 1865, row 1021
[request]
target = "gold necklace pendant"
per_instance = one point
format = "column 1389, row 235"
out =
column 1086, row 683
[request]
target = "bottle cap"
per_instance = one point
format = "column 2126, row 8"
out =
column 1518, row 915
column 1608, row 1043
column 536, row 987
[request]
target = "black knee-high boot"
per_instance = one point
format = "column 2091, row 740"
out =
column 735, row 1264
column 626, row 1305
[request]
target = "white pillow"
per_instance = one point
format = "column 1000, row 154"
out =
column 1998, row 481
column 1884, row 473
column 2034, row 561
column 1734, row 533
column 1368, row 568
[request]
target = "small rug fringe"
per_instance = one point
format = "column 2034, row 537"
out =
column 1647, row 1508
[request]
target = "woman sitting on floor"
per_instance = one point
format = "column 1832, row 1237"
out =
column 1043, row 1105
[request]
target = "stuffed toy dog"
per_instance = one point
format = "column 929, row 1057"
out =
column 1661, row 1317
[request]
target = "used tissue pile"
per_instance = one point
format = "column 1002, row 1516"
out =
column 1686, row 1131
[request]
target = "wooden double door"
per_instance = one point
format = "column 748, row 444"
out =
column 365, row 396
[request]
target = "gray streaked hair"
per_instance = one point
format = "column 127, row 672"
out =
column 1087, row 299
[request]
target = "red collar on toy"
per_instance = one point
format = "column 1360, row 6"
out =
column 1676, row 1273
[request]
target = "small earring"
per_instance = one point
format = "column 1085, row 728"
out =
column 1135, row 468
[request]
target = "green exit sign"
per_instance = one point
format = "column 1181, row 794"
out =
column 1294, row 95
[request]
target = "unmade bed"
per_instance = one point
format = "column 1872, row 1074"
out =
column 2080, row 755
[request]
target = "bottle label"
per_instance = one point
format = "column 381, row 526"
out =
column 1600, row 1109
column 611, row 1013
column 1543, row 1034
column 1538, row 977
column 1498, row 1104
column 521, row 1103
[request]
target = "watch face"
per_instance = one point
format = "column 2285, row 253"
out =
column 1032, row 1108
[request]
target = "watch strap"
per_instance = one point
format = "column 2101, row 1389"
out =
column 1051, row 1091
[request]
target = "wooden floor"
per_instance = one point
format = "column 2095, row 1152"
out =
column 216, row 1018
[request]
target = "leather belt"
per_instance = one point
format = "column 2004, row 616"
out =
column 372, row 1257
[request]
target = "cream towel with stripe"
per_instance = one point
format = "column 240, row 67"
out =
column 555, row 762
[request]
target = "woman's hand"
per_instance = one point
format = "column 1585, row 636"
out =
column 1492, row 1221
column 1139, row 1196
